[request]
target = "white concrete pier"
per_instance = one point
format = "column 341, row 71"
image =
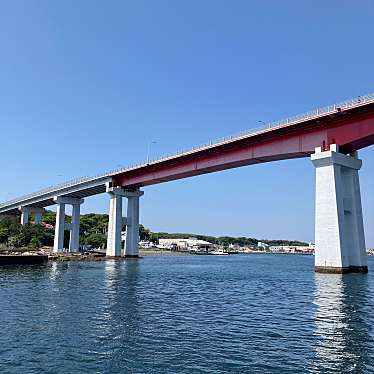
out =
column 132, row 227
column 339, row 230
column 75, row 224
column 27, row 210
column 60, row 226
column 25, row 214
column 117, row 221
column 38, row 214
column 58, row 245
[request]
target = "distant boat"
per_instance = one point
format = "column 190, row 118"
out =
column 219, row 252
column 199, row 251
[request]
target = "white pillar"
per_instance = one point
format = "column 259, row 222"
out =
column 75, row 222
column 27, row 210
column 60, row 223
column 132, row 229
column 38, row 214
column 38, row 218
column 59, row 228
column 115, row 222
column 25, row 213
column 339, row 230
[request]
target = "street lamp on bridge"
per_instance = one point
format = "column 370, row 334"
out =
column 149, row 150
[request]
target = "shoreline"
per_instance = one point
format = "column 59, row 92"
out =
column 15, row 256
column 97, row 257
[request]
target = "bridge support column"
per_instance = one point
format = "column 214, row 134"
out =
column 60, row 223
column 58, row 245
column 115, row 221
column 75, row 224
column 132, row 228
column 38, row 214
column 339, row 230
column 27, row 210
column 25, row 214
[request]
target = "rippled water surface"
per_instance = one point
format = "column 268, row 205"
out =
column 188, row 314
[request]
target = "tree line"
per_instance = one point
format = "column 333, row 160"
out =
column 228, row 240
column 93, row 231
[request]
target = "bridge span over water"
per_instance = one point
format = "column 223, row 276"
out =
column 331, row 136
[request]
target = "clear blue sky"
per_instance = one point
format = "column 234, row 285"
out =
column 86, row 85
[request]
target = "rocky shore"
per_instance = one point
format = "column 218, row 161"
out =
column 25, row 255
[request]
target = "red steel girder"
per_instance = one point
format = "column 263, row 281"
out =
column 351, row 130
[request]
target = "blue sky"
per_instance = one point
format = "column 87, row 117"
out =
column 86, row 85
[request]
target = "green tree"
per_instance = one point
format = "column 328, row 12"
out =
column 49, row 217
column 93, row 231
column 18, row 241
column 144, row 234
column 97, row 240
column 4, row 234
column 35, row 243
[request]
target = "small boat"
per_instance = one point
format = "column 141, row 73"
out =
column 199, row 252
column 219, row 252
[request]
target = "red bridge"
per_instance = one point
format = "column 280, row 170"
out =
column 352, row 128
column 331, row 136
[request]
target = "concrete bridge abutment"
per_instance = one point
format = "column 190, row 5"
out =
column 27, row 210
column 339, row 229
column 60, row 226
column 132, row 223
column 117, row 221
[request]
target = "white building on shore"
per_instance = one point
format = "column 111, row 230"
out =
column 182, row 244
column 292, row 248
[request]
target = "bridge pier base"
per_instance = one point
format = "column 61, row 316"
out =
column 116, row 222
column 113, row 248
column 339, row 229
column 75, row 223
column 132, row 227
column 61, row 225
column 58, row 245
column 38, row 214
column 25, row 214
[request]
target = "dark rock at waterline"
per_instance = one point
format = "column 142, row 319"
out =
column 23, row 259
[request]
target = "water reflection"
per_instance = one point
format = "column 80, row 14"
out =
column 11, row 274
column 341, row 332
column 121, row 281
column 120, row 312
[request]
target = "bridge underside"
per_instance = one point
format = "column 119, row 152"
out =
column 350, row 130
column 48, row 200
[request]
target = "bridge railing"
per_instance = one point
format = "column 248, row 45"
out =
column 57, row 187
column 358, row 101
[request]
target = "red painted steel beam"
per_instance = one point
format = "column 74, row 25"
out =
column 351, row 129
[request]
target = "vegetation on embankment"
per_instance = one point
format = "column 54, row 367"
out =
column 93, row 231
column 227, row 240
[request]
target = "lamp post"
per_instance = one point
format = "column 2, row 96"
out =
column 149, row 149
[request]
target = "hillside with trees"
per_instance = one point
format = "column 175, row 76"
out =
column 93, row 231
